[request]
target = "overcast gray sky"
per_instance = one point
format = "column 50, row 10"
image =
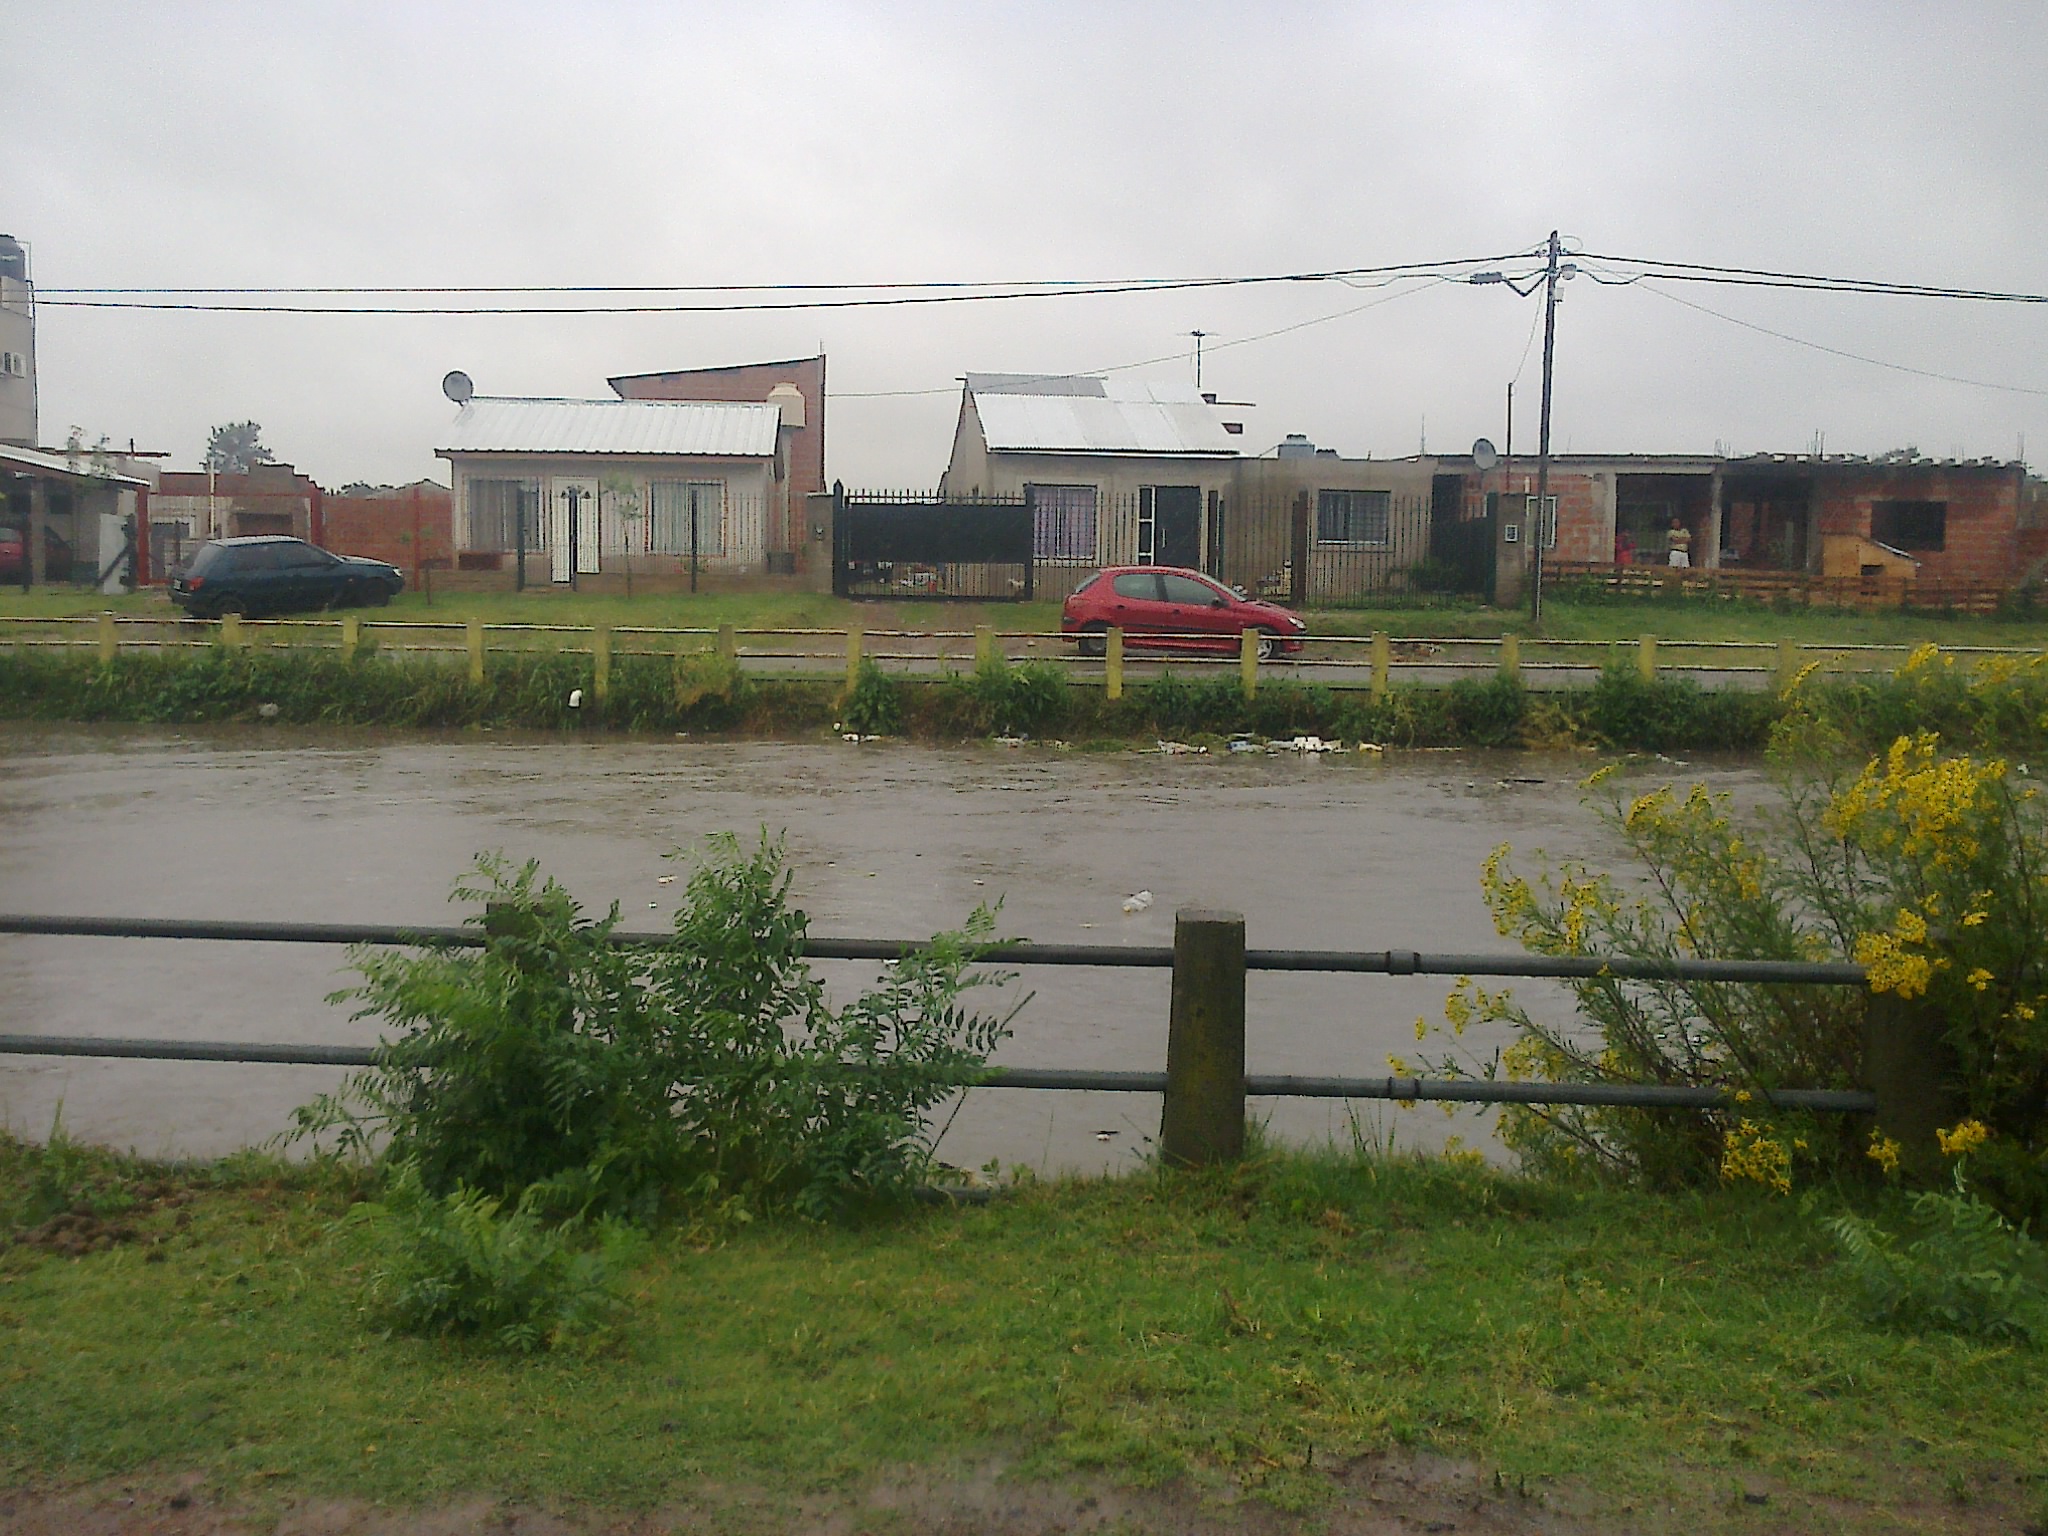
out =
column 191, row 143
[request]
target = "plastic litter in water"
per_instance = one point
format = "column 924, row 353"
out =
column 1139, row 902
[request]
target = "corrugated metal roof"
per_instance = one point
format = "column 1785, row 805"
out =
column 1128, row 416
column 36, row 461
column 645, row 428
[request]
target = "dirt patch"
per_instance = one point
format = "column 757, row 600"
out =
column 1397, row 1494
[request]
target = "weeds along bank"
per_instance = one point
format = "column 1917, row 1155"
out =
column 2000, row 702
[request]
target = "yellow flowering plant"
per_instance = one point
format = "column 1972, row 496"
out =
column 1930, row 868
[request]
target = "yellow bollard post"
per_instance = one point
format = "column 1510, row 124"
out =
column 852, row 655
column 1511, row 657
column 231, row 631
column 351, row 636
column 474, row 630
column 601, row 662
column 1788, row 663
column 1646, row 659
column 1248, row 661
column 109, row 642
column 728, row 643
column 985, row 651
column 1113, row 664
column 1380, row 661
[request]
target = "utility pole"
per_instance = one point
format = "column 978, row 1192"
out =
column 1543, row 431
column 1198, row 335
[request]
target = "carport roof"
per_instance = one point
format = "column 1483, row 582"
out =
column 35, row 462
column 629, row 428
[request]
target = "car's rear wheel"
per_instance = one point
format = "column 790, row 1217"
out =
column 1094, row 640
column 239, row 606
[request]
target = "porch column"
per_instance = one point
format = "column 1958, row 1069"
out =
column 1714, row 522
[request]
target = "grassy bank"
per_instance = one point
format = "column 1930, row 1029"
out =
column 2003, row 708
column 1252, row 1333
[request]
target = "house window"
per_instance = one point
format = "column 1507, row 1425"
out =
column 496, row 509
column 1063, row 522
column 1549, row 518
column 14, row 364
column 687, row 517
column 1909, row 524
column 1358, row 518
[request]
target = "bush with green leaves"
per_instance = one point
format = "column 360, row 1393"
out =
column 1001, row 700
column 1968, row 1271
column 873, row 706
column 556, row 1069
column 468, row 1265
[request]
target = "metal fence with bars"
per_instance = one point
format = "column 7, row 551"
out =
column 1206, row 1084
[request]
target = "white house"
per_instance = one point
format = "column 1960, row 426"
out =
column 656, row 483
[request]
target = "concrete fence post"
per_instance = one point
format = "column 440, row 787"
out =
column 473, row 633
column 1202, row 1120
column 1113, row 664
column 1511, row 657
column 1248, row 661
column 728, row 643
column 1788, row 663
column 986, row 652
column 1381, row 657
column 1646, row 658
column 852, row 656
column 601, row 662
column 231, row 631
column 1907, row 1063
column 110, row 642
column 351, row 636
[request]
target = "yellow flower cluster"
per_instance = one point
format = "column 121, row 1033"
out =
column 1751, row 1154
column 1884, row 1152
column 1917, row 801
column 1896, row 961
column 1963, row 1138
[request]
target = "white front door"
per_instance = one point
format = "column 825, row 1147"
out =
column 574, row 504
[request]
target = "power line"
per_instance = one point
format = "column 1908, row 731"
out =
column 865, row 295
column 1148, row 362
column 1761, row 277
column 1856, row 357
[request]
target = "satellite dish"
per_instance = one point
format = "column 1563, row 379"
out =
column 457, row 387
column 1483, row 455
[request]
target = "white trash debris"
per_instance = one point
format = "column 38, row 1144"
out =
column 1139, row 902
column 269, row 712
column 1306, row 744
column 1181, row 749
column 575, row 698
column 664, row 879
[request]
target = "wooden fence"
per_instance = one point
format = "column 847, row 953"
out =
column 1372, row 661
column 1800, row 588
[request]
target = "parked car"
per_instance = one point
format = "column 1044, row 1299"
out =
column 57, row 557
column 1164, row 607
column 268, row 573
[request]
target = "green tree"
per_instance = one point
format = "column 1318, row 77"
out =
column 236, row 447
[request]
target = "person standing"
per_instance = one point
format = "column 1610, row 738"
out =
column 1679, row 543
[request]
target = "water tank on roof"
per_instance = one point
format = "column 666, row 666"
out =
column 1295, row 446
column 791, row 399
column 13, row 258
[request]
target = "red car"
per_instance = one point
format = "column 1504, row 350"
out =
column 1167, row 608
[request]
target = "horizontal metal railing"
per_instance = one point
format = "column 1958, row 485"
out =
column 1254, row 1085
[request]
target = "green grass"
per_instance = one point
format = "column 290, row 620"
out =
column 1616, row 620
column 1246, row 1331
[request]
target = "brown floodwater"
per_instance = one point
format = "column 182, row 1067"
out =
column 886, row 841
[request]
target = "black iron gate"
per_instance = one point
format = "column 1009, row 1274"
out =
column 905, row 546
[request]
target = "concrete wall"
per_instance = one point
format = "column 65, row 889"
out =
column 18, row 339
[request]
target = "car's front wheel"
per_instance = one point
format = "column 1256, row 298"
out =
column 1269, row 645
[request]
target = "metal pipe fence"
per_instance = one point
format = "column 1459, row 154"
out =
column 1205, row 1096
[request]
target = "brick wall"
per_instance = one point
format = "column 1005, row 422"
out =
column 751, row 382
column 383, row 528
column 1981, row 542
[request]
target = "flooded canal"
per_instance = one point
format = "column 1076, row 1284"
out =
column 886, row 841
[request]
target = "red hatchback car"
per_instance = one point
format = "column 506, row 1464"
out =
column 1164, row 607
